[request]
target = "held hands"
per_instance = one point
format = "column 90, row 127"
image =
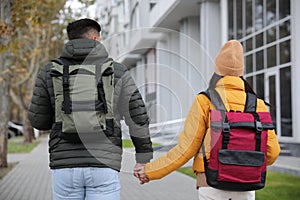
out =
column 139, row 172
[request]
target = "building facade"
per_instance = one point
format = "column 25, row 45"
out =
column 170, row 46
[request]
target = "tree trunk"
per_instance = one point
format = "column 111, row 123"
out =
column 5, row 103
column 27, row 129
column 4, row 116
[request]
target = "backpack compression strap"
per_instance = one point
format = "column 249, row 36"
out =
column 100, row 88
column 66, row 84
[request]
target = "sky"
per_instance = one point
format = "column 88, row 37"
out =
column 78, row 6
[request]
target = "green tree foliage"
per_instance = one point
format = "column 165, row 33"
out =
column 36, row 31
column 31, row 33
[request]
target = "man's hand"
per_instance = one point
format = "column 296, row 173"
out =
column 139, row 172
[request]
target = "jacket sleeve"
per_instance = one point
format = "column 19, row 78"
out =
column 189, row 143
column 134, row 111
column 273, row 147
column 41, row 112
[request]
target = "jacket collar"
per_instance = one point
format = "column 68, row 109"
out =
column 231, row 83
column 80, row 49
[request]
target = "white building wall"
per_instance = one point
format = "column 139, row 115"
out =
column 295, row 48
column 190, row 49
column 185, row 59
column 140, row 77
column 210, row 35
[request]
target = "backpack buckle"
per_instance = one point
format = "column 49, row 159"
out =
column 258, row 126
column 226, row 127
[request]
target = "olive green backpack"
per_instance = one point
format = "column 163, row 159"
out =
column 83, row 98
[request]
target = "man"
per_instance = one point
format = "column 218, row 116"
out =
column 229, row 64
column 89, row 170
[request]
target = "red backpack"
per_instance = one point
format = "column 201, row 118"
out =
column 238, row 145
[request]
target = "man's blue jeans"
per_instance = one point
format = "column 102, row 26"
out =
column 85, row 183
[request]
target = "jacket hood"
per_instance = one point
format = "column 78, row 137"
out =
column 80, row 49
column 230, row 59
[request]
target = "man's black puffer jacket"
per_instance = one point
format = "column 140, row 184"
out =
column 128, row 105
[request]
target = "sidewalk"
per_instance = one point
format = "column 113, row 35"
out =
column 31, row 180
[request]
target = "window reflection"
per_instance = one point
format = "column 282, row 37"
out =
column 239, row 18
column 271, row 56
column 284, row 8
column 285, row 52
column 271, row 35
column 249, row 64
column 259, row 40
column 260, row 86
column 285, row 29
column 272, row 98
column 250, row 81
column 230, row 20
column 271, row 12
column 249, row 44
column 249, row 24
column 259, row 60
column 259, row 14
column 286, row 101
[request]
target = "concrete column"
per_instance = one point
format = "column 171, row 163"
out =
column 162, row 98
column 190, row 60
column 210, row 35
column 295, row 49
column 140, row 76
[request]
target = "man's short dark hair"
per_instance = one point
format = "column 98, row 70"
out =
column 79, row 28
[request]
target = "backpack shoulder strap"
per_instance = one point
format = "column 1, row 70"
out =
column 100, row 88
column 65, row 83
column 215, row 98
column 251, row 102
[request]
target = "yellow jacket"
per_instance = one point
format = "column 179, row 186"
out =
column 232, row 92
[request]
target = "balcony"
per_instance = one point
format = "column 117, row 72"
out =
column 167, row 14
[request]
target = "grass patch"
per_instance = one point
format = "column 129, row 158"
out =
column 187, row 171
column 278, row 186
column 128, row 144
column 4, row 171
column 17, row 146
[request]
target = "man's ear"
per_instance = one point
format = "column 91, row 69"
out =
column 96, row 38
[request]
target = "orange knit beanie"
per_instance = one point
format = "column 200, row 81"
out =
column 230, row 60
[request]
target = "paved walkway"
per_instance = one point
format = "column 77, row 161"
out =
column 31, row 178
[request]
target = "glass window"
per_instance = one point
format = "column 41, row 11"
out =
column 271, row 12
column 249, row 43
column 259, row 60
column 286, row 101
column 267, row 45
column 250, row 80
column 239, row 19
column 259, row 40
column 230, row 20
column 271, row 35
column 284, row 8
column 285, row 29
column 249, row 21
column 285, row 52
column 259, row 14
column 271, row 56
column 249, row 64
column 272, row 98
column 260, row 86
